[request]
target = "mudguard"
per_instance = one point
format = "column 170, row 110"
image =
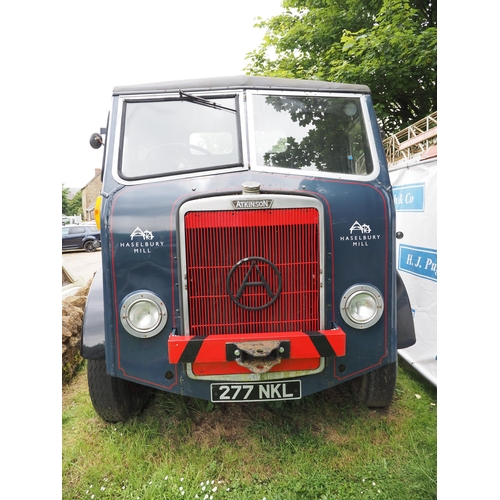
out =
column 405, row 325
column 92, row 342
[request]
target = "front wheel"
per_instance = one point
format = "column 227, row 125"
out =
column 114, row 399
column 376, row 388
column 89, row 246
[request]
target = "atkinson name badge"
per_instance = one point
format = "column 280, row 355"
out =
column 251, row 204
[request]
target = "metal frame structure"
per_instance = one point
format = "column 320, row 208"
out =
column 413, row 140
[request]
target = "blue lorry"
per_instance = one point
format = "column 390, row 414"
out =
column 248, row 246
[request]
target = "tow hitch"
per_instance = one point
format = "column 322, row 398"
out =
column 258, row 357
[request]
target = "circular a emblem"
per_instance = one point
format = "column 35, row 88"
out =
column 254, row 283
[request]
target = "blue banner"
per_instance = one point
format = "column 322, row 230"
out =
column 418, row 261
column 409, row 198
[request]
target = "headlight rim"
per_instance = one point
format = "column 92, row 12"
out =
column 349, row 295
column 135, row 298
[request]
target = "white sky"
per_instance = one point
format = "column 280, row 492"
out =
column 110, row 43
column 64, row 58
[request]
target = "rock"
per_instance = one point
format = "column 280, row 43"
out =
column 73, row 308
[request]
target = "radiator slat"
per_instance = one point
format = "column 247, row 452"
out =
column 287, row 243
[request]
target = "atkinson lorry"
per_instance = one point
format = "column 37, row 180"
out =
column 248, row 246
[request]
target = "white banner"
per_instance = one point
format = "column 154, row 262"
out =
column 415, row 196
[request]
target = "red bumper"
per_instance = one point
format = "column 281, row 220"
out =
column 303, row 349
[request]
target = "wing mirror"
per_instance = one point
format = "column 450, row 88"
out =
column 96, row 140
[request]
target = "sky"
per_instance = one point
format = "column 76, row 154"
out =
column 60, row 61
column 112, row 43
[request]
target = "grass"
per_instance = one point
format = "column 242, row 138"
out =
column 324, row 447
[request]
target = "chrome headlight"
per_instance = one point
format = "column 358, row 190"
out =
column 361, row 306
column 143, row 314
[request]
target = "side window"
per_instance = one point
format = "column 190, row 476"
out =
column 76, row 230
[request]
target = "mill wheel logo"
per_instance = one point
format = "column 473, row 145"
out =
column 145, row 235
column 254, row 283
column 362, row 228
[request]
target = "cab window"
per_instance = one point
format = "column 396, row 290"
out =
column 322, row 134
column 166, row 137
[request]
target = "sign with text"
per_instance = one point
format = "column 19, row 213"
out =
column 418, row 261
column 409, row 198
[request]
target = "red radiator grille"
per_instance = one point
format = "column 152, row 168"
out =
column 276, row 289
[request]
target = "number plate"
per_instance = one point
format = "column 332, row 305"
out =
column 260, row 391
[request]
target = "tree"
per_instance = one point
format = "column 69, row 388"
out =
column 75, row 205
column 389, row 45
column 65, row 200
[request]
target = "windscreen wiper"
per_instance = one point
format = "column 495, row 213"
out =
column 204, row 102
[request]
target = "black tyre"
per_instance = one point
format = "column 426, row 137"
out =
column 114, row 399
column 376, row 389
column 89, row 246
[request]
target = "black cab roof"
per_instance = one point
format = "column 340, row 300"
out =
column 240, row 82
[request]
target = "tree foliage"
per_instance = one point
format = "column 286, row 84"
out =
column 73, row 206
column 389, row 45
column 65, row 200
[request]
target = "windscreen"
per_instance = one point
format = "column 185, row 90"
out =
column 319, row 134
column 166, row 137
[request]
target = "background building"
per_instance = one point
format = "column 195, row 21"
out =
column 90, row 192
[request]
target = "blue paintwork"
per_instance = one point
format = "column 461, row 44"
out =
column 92, row 342
column 146, row 360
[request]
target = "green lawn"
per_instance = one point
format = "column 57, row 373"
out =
column 326, row 446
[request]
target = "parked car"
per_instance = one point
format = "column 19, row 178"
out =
column 84, row 237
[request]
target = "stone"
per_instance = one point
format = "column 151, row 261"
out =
column 73, row 308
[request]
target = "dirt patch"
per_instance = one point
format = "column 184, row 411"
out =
column 227, row 423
